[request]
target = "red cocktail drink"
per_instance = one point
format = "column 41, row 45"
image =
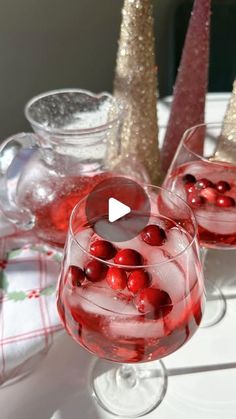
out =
column 207, row 181
column 109, row 312
column 210, row 190
column 132, row 301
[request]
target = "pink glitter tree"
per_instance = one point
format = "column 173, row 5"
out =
column 188, row 106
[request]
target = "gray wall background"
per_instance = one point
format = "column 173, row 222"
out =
column 49, row 44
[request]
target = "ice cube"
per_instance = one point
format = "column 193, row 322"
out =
column 122, row 230
column 83, row 238
column 103, row 301
column 217, row 221
column 136, row 243
column 131, row 328
column 77, row 256
column 182, row 311
column 177, row 315
column 166, row 275
column 179, row 242
column 169, row 277
column 151, row 254
column 170, row 205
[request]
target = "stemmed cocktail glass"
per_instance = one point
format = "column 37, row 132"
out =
column 132, row 302
column 208, row 184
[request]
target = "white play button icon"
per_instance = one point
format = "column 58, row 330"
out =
column 116, row 210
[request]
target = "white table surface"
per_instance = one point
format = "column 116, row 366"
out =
column 58, row 389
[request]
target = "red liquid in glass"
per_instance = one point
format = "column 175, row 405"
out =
column 52, row 214
column 216, row 224
column 108, row 323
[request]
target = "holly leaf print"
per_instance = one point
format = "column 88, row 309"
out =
column 16, row 295
column 14, row 253
column 57, row 257
column 38, row 248
column 3, row 281
column 47, row 291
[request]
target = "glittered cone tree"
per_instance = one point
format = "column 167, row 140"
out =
column 135, row 86
column 188, row 106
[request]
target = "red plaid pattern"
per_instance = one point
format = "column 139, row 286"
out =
column 28, row 314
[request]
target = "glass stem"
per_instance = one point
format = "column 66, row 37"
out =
column 126, row 375
column 203, row 253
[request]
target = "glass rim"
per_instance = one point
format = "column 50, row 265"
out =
column 72, row 131
column 127, row 267
column 185, row 138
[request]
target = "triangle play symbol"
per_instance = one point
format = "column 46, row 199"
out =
column 116, row 210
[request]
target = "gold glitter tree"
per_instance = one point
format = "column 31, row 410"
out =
column 226, row 149
column 135, row 87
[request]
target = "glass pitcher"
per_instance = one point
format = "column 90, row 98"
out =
column 45, row 173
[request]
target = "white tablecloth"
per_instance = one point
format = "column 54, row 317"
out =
column 58, row 389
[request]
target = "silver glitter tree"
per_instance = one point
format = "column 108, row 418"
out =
column 226, row 148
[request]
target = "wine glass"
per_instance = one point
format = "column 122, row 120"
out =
column 132, row 302
column 202, row 175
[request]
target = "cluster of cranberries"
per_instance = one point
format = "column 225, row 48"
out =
column 203, row 191
column 136, row 280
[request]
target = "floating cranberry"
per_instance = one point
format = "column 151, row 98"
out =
column 223, row 186
column 210, row 194
column 153, row 235
column 116, row 278
column 75, row 275
column 225, row 201
column 188, row 178
column 195, row 200
column 95, row 271
column 102, row 249
column 169, row 224
column 153, row 300
column 128, row 257
column 204, row 183
column 190, row 187
column 138, row 280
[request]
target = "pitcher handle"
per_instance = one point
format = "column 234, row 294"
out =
column 11, row 164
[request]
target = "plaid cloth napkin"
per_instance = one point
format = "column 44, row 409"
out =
column 28, row 314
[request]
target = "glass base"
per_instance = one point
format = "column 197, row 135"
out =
column 215, row 307
column 128, row 390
